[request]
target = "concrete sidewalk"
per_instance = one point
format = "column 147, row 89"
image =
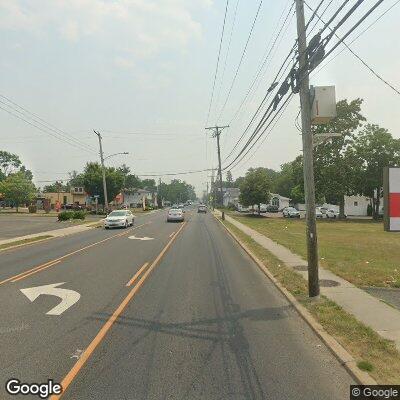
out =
column 374, row 313
column 70, row 230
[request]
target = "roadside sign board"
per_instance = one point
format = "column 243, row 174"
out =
column 391, row 200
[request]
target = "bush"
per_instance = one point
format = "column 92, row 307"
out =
column 65, row 215
column 32, row 209
column 80, row 214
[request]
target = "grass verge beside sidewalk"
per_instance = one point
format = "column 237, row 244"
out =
column 374, row 354
column 24, row 242
column 359, row 251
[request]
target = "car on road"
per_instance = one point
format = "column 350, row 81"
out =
column 202, row 209
column 119, row 219
column 175, row 215
column 290, row 212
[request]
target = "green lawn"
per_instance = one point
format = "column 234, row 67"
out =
column 357, row 250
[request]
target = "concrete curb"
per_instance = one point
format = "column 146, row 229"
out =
column 342, row 355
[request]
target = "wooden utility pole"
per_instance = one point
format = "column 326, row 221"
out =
column 103, row 171
column 309, row 184
column 216, row 133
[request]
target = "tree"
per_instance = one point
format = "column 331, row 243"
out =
column 9, row 162
column 375, row 148
column 17, row 189
column 229, row 180
column 93, row 181
column 55, row 187
column 177, row 191
column 335, row 164
column 255, row 188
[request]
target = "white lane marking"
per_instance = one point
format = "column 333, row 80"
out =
column 68, row 297
column 77, row 354
column 172, row 234
column 140, row 238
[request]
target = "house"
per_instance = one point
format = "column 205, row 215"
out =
column 76, row 195
column 280, row 201
column 231, row 196
column 135, row 197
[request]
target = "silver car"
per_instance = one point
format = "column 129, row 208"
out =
column 119, row 219
column 175, row 214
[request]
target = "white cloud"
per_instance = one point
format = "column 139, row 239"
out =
column 139, row 27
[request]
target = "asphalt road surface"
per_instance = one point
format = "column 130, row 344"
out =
column 200, row 322
column 21, row 225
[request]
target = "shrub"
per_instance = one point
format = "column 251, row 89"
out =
column 80, row 214
column 32, row 209
column 65, row 215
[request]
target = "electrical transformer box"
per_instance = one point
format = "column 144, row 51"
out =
column 323, row 104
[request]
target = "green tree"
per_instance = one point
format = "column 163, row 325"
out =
column 335, row 164
column 255, row 188
column 93, row 181
column 17, row 189
column 374, row 148
column 177, row 191
column 9, row 162
column 55, row 187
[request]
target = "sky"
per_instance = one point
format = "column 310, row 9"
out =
column 141, row 72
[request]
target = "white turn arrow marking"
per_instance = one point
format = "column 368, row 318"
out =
column 68, row 297
column 140, row 238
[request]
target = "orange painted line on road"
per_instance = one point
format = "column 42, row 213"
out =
column 34, row 272
column 52, row 262
column 138, row 273
column 106, row 327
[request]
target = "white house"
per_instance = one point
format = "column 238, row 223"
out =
column 231, row 196
column 278, row 200
column 134, row 198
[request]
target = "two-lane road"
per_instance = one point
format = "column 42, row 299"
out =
column 166, row 311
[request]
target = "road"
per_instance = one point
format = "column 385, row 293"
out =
column 201, row 322
column 12, row 225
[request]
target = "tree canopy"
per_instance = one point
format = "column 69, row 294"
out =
column 17, row 189
column 255, row 187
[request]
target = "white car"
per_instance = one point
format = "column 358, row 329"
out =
column 119, row 219
column 318, row 213
column 290, row 212
column 241, row 208
column 175, row 214
column 333, row 214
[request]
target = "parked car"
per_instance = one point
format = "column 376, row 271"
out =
column 272, row 208
column 241, row 208
column 333, row 214
column 291, row 212
column 318, row 213
column 119, row 219
column 175, row 215
column 202, row 209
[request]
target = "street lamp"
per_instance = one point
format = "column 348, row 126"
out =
column 115, row 154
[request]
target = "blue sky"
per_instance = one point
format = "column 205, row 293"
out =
column 146, row 66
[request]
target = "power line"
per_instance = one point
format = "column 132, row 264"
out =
column 227, row 53
column 40, row 121
column 216, row 67
column 285, row 86
column 358, row 57
column 241, row 60
column 45, row 131
column 265, row 57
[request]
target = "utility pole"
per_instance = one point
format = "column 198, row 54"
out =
column 309, row 184
column 103, row 170
column 216, row 133
column 212, row 188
